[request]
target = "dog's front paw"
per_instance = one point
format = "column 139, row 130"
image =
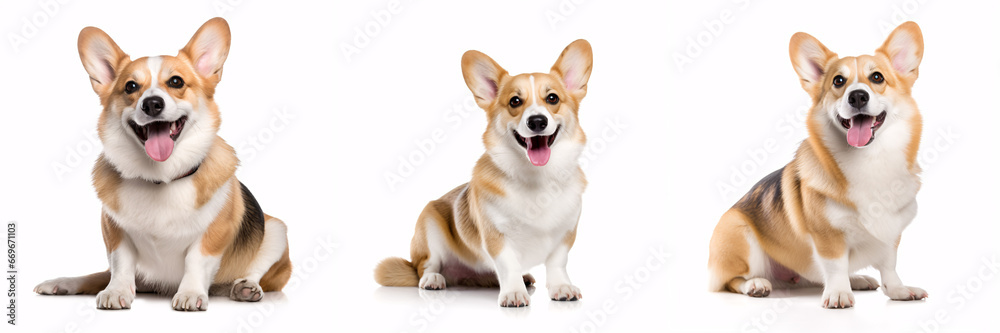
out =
column 565, row 292
column 246, row 291
column 115, row 298
column 838, row 299
column 190, row 301
column 516, row 298
column 432, row 281
column 757, row 287
column 863, row 282
column 904, row 293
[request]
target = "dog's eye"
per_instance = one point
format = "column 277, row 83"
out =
column 515, row 102
column 877, row 77
column 131, row 87
column 552, row 99
column 175, row 82
column 838, row 81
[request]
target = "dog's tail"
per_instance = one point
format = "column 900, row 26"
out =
column 396, row 272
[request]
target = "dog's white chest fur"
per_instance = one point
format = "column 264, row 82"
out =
column 534, row 218
column 163, row 222
column 881, row 186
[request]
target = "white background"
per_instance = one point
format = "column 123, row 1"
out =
column 653, row 184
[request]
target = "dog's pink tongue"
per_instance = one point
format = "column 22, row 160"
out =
column 538, row 150
column 159, row 145
column 860, row 131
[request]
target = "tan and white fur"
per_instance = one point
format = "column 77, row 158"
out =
column 523, row 203
column 841, row 204
column 175, row 219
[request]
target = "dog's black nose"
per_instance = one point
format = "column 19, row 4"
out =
column 537, row 123
column 152, row 106
column 858, row 99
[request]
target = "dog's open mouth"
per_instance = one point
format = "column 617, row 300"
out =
column 538, row 147
column 158, row 137
column 861, row 128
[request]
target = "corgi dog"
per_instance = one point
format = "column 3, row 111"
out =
column 175, row 219
column 842, row 203
column 523, row 203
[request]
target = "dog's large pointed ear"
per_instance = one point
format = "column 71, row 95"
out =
column 905, row 49
column 483, row 76
column 573, row 67
column 810, row 58
column 208, row 48
column 101, row 57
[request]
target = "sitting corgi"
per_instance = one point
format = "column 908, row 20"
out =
column 842, row 203
column 175, row 218
column 522, row 205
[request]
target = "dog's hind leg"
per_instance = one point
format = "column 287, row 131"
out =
column 434, row 246
column 270, row 268
column 730, row 258
column 88, row 285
